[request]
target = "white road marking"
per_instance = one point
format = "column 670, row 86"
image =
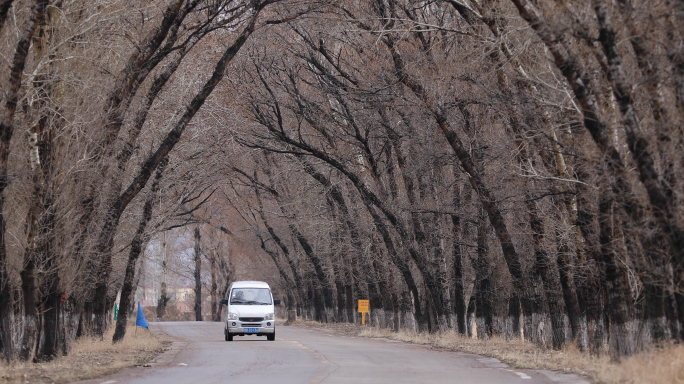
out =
column 522, row 375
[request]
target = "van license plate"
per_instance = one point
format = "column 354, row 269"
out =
column 251, row 330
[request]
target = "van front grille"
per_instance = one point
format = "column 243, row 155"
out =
column 251, row 319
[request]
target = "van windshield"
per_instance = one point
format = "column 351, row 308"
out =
column 251, row 296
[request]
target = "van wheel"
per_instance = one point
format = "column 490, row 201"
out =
column 229, row 336
column 271, row 336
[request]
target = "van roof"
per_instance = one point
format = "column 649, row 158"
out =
column 249, row 284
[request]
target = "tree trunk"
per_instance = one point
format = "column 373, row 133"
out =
column 546, row 268
column 54, row 337
column 578, row 322
column 623, row 328
column 41, row 220
column 6, row 132
column 400, row 264
column 484, row 292
column 654, row 321
column 459, row 292
column 163, row 298
column 459, row 289
column 590, row 291
column 127, row 292
column 30, row 315
column 385, row 294
column 215, row 313
column 5, row 6
column 349, row 301
column 470, row 314
column 198, row 276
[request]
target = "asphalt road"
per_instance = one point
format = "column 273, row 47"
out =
column 303, row 355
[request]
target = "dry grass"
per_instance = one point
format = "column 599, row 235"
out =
column 89, row 358
column 664, row 364
column 660, row 365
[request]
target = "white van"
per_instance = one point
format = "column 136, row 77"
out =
column 250, row 310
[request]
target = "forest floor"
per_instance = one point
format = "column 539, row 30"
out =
column 663, row 364
column 89, row 358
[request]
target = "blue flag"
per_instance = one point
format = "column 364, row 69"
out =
column 140, row 321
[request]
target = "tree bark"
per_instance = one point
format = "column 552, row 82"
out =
column 54, row 335
column 5, row 6
column 163, row 298
column 198, row 276
column 483, row 284
column 471, row 313
column 215, row 313
column 545, row 268
column 578, row 322
column 619, row 309
column 6, row 132
column 30, row 315
column 590, row 291
column 459, row 290
column 137, row 244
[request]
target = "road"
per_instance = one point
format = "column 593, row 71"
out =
column 303, row 355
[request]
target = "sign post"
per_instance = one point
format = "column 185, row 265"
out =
column 363, row 308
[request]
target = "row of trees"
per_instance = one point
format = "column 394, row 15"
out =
column 96, row 97
column 500, row 166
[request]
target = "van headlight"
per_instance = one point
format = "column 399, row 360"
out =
column 232, row 316
column 269, row 316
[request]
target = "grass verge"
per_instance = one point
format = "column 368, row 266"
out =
column 89, row 358
column 664, row 364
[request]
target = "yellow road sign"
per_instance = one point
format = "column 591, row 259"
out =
column 363, row 306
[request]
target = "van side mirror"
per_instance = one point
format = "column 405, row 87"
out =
column 224, row 301
column 276, row 301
